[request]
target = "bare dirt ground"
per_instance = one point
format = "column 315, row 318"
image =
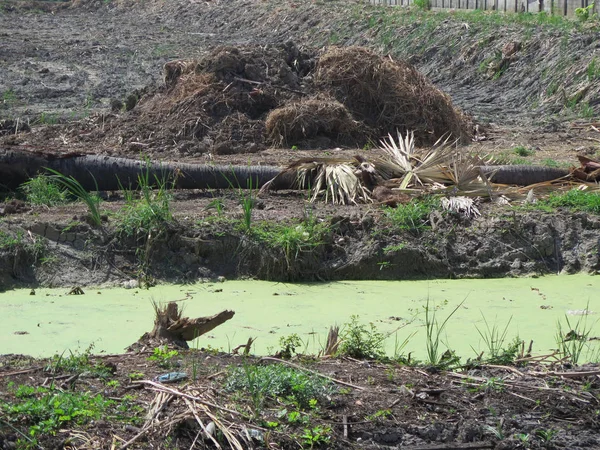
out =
column 77, row 77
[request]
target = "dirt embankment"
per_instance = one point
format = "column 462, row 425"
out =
column 355, row 245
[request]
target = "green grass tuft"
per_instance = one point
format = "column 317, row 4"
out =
column 574, row 199
column 412, row 217
column 44, row 190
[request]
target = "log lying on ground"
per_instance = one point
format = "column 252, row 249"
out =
column 106, row 173
column 169, row 325
column 522, row 175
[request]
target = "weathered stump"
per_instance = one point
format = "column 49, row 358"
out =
column 170, row 326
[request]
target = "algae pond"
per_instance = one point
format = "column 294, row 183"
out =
column 51, row 322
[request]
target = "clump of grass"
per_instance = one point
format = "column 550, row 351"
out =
column 44, row 190
column 35, row 246
column 573, row 339
column 9, row 241
column 148, row 211
column 247, row 202
column 360, row 342
column 412, row 217
column 278, row 381
column 523, row 151
column 593, row 69
column 75, row 188
column 433, row 338
column 574, row 199
column 494, row 338
column 292, row 238
column 78, row 362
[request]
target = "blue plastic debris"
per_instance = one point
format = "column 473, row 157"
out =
column 172, row 377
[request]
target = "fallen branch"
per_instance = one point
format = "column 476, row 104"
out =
column 20, row 372
column 566, row 374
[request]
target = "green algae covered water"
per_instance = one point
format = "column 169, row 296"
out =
column 51, row 322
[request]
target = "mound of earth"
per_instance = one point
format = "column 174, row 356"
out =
column 244, row 99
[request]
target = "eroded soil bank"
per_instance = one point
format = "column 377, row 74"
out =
column 58, row 248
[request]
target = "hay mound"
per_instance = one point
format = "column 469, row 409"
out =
column 388, row 95
column 313, row 123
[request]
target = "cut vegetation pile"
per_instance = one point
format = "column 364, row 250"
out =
column 308, row 119
column 389, row 95
column 247, row 98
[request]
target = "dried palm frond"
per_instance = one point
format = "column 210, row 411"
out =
column 465, row 206
column 466, row 170
column 433, row 167
column 337, row 181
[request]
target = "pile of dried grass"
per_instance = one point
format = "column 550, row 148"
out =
column 308, row 119
column 389, row 95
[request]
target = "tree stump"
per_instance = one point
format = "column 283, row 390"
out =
column 170, row 326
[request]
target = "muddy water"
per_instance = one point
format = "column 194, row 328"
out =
column 110, row 319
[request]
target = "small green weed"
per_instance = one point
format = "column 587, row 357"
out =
column 585, row 13
column 593, row 69
column 288, row 345
column 136, row 376
column 552, row 88
column 494, row 338
column 573, row 339
column 78, row 362
column 44, row 190
column 546, row 435
column 412, row 217
column 293, row 239
column 316, row 436
column 586, row 111
column 393, row 248
column 163, row 356
column 379, row 415
column 148, row 215
column 47, row 119
column 218, row 205
column 278, row 381
column 44, row 411
column 9, row 98
column 34, row 246
column 9, row 241
column 360, row 342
